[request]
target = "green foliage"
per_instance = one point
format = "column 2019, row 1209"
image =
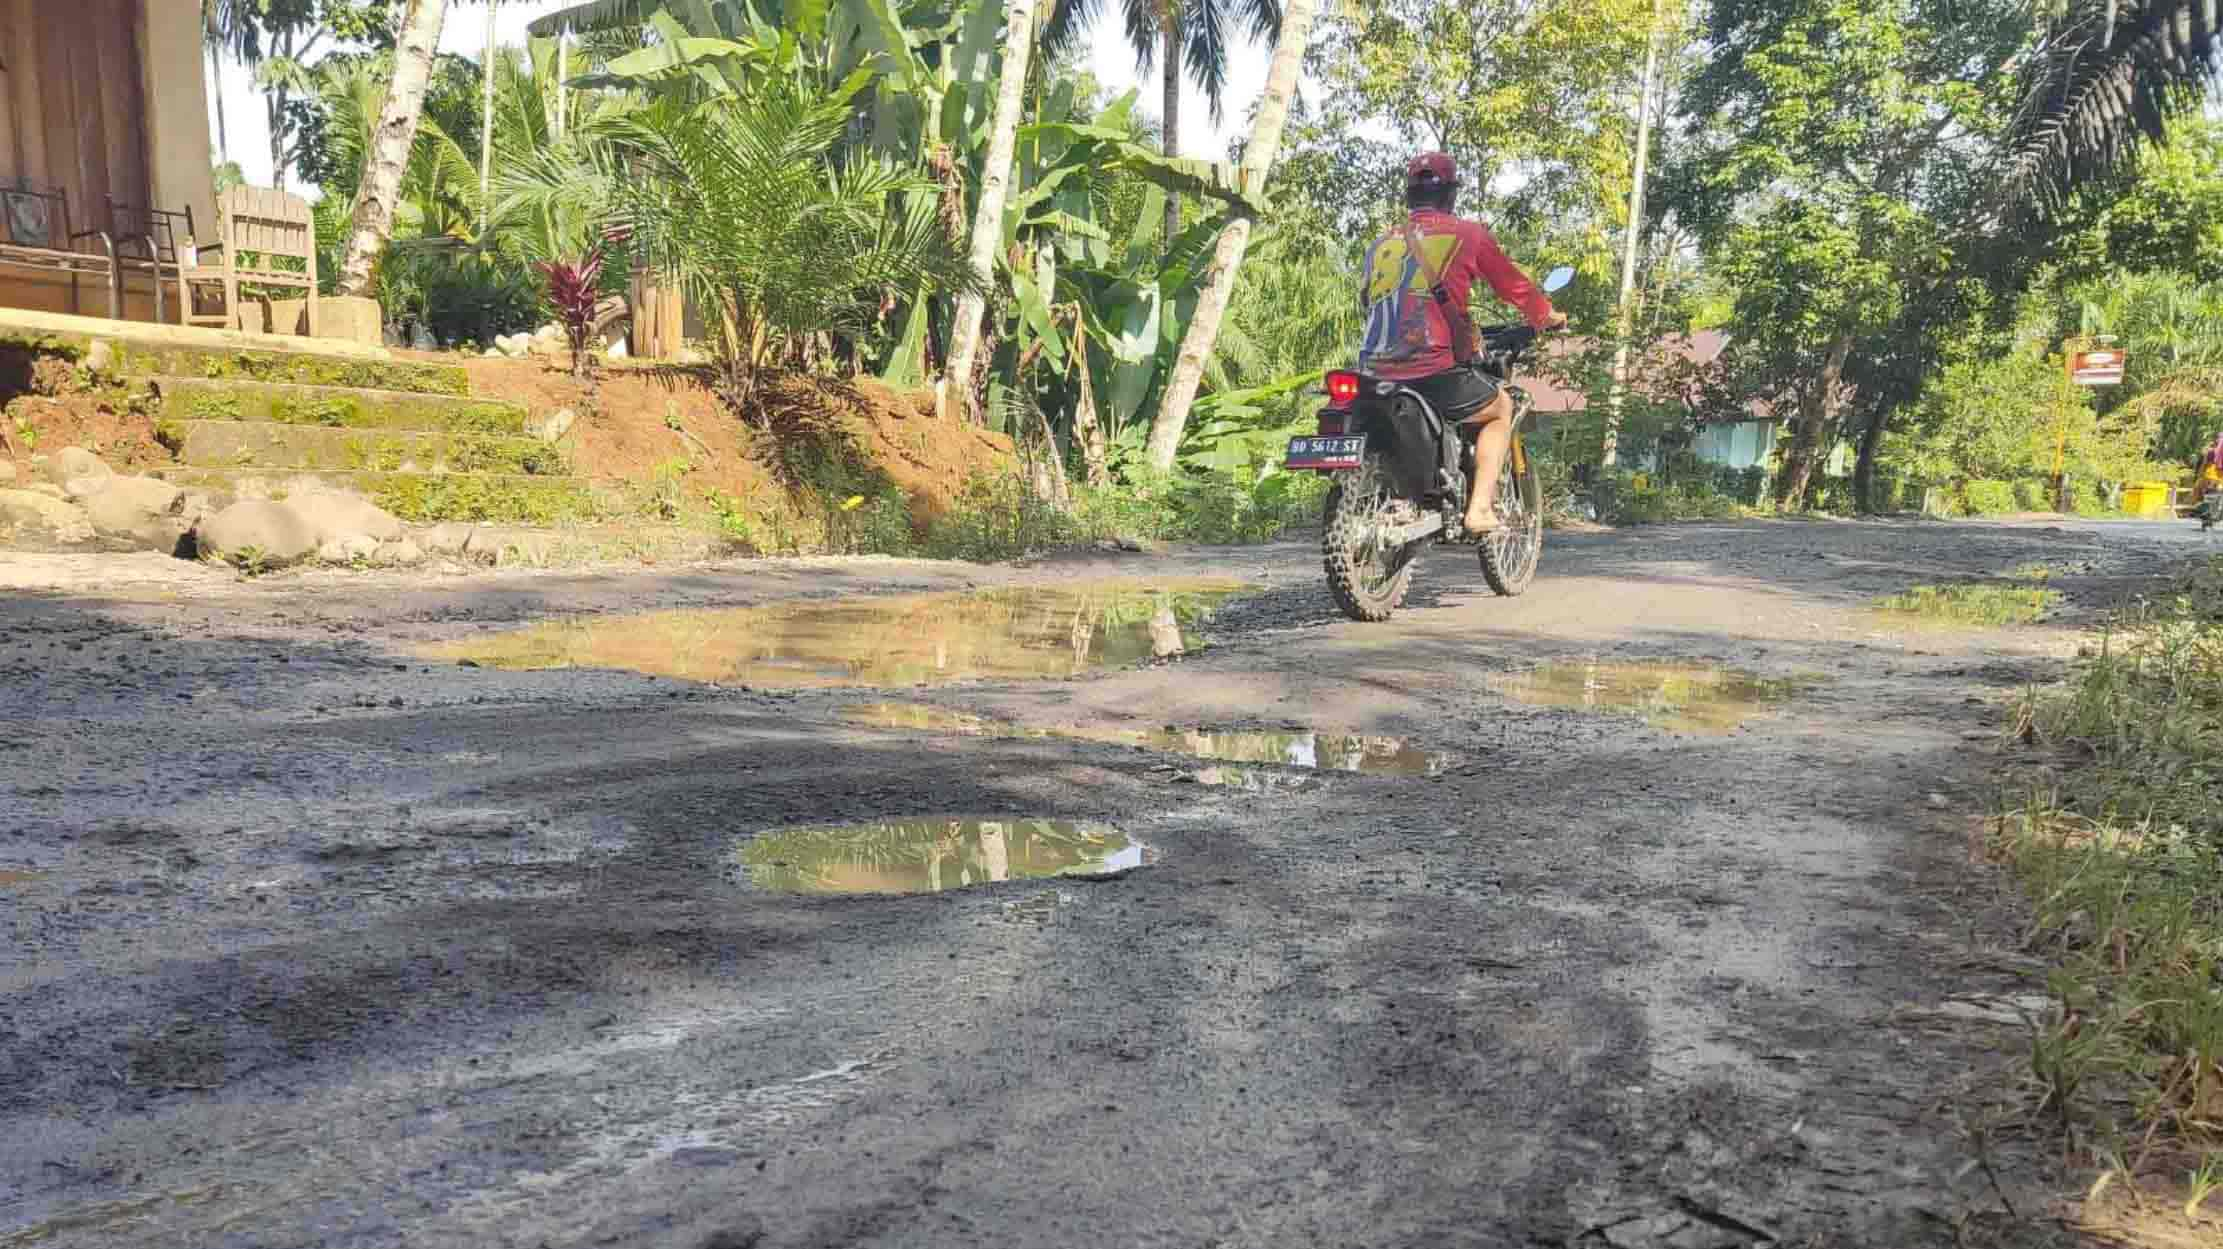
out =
column 1000, row 517
column 1973, row 604
column 1990, row 498
column 2168, row 218
column 740, row 205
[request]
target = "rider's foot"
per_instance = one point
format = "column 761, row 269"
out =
column 1480, row 526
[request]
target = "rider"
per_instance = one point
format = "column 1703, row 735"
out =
column 1417, row 328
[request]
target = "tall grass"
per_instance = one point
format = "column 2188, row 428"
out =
column 2119, row 841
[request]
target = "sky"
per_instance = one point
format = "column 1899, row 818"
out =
column 1110, row 60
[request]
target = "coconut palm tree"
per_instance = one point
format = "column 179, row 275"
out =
column 417, row 39
column 2104, row 77
column 1227, row 257
column 1172, row 35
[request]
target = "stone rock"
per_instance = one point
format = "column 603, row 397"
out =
column 549, row 340
column 330, row 515
column 492, row 545
column 71, row 462
column 47, row 488
column 617, row 349
column 553, row 426
column 449, row 537
column 347, row 550
column 274, row 530
column 136, row 509
column 402, row 554
column 42, row 515
column 513, row 345
column 393, row 336
column 7, row 472
column 194, row 506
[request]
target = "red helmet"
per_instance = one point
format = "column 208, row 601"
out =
column 1431, row 167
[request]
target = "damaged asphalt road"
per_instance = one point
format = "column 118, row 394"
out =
column 313, row 939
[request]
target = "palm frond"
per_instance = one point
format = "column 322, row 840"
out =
column 2093, row 92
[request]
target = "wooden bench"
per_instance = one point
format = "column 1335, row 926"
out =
column 35, row 227
column 266, row 239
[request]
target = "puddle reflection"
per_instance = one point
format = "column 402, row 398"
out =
column 1685, row 698
column 10, row 877
column 1020, row 633
column 929, row 856
column 1327, row 752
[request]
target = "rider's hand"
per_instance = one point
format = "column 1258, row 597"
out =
column 1558, row 321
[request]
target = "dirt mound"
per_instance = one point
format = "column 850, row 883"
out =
column 651, row 421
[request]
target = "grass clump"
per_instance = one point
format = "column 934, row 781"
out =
column 1993, row 605
column 2119, row 843
column 1001, row 517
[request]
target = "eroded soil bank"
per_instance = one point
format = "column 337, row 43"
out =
column 312, row 938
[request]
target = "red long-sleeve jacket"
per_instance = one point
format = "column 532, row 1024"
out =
column 1406, row 333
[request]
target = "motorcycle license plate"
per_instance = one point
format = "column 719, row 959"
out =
column 1335, row 451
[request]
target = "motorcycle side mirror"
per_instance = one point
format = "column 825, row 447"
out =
column 1558, row 278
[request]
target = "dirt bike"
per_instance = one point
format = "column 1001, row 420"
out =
column 1401, row 477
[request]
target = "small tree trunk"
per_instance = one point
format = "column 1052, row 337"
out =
column 373, row 224
column 1227, row 256
column 1625, row 315
column 1087, row 429
column 995, row 181
column 1816, row 415
column 1169, row 26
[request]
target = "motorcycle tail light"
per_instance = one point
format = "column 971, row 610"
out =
column 1343, row 388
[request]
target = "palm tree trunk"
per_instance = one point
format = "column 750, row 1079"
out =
column 995, row 182
column 1170, row 30
column 216, row 88
column 486, row 125
column 1219, row 282
column 373, row 225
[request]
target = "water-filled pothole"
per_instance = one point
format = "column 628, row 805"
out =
column 1327, row 752
column 931, row 855
column 1017, row 633
column 1683, row 697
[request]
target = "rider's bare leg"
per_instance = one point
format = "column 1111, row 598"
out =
column 1490, row 443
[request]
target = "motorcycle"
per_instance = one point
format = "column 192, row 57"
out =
column 1402, row 474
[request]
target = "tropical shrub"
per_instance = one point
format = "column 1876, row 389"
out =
column 1990, row 498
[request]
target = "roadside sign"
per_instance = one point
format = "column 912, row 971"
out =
column 2097, row 368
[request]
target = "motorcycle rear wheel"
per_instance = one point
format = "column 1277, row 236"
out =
column 1511, row 551
column 1367, row 583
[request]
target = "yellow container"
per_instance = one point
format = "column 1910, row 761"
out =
column 2147, row 498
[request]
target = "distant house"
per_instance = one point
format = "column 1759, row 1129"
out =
column 1741, row 440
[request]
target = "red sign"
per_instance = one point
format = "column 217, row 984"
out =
column 2097, row 368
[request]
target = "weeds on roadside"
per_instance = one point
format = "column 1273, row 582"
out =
column 2119, row 842
column 1000, row 517
column 1973, row 604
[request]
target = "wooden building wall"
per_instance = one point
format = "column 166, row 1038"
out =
column 72, row 103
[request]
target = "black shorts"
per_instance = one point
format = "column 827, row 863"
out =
column 1458, row 393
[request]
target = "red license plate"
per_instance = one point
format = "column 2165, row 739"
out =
column 1326, row 452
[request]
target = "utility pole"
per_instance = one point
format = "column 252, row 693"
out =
column 1625, row 316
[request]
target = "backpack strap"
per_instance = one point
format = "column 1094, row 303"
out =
column 1454, row 317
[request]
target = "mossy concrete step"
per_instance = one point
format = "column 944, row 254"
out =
column 263, row 444
column 136, row 358
column 420, row 497
column 182, row 399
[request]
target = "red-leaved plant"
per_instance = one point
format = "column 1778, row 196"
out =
column 574, row 291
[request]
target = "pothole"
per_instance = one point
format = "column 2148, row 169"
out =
column 1686, row 698
column 1326, row 752
column 1018, row 633
column 933, row 855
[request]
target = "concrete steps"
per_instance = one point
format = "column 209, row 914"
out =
column 149, row 358
column 185, row 399
column 420, row 497
column 263, row 444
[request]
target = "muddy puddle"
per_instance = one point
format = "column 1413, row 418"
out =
column 1683, row 698
column 11, row 877
column 932, row 855
column 1327, row 752
column 1016, row 633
